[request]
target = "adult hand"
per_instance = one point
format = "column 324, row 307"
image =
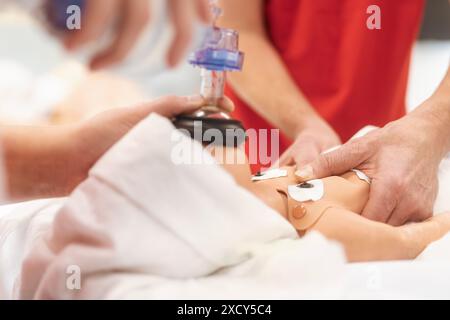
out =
column 402, row 159
column 316, row 137
column 95, row 136
column 44, row 162
column 128, row 19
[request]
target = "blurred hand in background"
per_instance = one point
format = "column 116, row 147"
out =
column 128, row 19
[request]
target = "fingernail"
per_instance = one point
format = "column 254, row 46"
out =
column 305, row 173
column 195, row 100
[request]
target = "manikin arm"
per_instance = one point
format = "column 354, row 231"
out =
column 366, row 240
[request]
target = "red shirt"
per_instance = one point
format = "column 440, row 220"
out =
column 351, row 75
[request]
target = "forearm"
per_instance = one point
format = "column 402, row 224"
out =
column 38, row 161
column 362, row 239
column 366, row 240
column 265, row 84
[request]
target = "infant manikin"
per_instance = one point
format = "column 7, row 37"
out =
column 303, row 204
column 333, row 206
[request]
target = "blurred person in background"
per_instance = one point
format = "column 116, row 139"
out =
column 128, row 19
column 50, row 161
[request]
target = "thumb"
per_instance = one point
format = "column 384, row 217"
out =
column 333, row 163
column 381, row 204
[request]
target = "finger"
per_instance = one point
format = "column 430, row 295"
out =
column 182, row 19
column 305, row 153
column 276, row 164
column 286, row 158
column 337, row 162
column 203, row 10
column 136, row 15
column 400, row 215
column 412, row 210
column 381, row 202
column 226, row 104
column 170, row 106
column 97, row 17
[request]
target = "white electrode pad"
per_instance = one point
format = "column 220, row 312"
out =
column 308, row 191
column 270, row 174
column 362, row 176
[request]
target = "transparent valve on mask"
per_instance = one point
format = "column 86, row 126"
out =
column 212, row 89
column 218, row 54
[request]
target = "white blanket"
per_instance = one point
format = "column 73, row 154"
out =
column 143, row 227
